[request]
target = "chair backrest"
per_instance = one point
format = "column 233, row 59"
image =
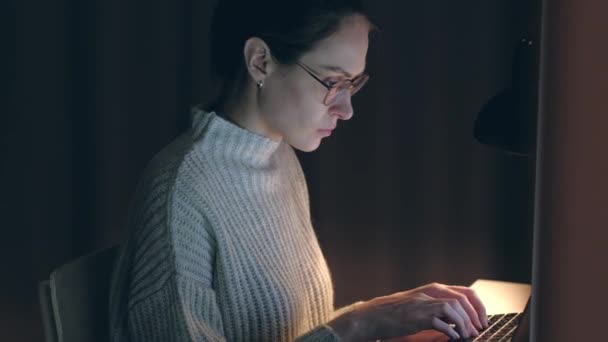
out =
column 46, row 309
column 79, row 297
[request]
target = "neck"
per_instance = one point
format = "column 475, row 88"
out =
column 242, row 108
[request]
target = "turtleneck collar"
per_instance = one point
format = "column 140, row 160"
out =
column 230, row 142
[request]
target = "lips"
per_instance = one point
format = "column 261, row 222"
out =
column 325, row 132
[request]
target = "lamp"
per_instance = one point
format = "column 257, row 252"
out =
column 508, row 120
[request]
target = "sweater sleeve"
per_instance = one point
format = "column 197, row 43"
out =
column 325, row 333
column 185, row 311
column 181, row 310
column 177, row 301
column 322, row 333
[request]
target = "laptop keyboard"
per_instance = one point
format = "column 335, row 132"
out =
column 501, row 329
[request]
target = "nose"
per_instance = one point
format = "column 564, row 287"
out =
column 342, row 107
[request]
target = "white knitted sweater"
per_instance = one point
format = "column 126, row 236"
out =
column 221, row 246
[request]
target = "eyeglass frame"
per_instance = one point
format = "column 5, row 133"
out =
column 336, row 87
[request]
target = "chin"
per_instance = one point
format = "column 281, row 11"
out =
column 306, row 146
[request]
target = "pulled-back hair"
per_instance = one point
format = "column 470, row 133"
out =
column 290, row 28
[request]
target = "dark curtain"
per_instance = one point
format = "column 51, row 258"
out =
column 401, row 195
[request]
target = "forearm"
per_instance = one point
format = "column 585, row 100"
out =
column 349, row 327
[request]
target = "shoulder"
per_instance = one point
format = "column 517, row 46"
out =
column 158, row 177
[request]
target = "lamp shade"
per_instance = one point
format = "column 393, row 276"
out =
column 508, row 120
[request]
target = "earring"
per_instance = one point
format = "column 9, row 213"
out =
column 260, row 84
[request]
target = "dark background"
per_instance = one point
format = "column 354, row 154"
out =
column 401, row 195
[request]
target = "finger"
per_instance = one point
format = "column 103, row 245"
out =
column 476, row 302
column 456, row 292
column 467, row 306
column 448, row 312
column 445, row 328
column 465, row 317
column 444, row 291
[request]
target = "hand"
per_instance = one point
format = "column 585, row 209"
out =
column 432, row 306
column 465, row 295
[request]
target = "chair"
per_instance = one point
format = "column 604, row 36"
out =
column 74, row 301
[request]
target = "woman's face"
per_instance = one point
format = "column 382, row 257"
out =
column 291, row 100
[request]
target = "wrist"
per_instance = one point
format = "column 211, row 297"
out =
column 349, row 327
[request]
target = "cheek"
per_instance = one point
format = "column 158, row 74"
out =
column 296, row 108
column 293, row 95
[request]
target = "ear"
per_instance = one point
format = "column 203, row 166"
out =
column 258, row 59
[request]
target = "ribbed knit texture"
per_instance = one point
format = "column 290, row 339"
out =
column 221, row 245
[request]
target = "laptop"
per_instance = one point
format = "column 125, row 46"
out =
column 508, row 316
column 508, row 308
column 508, row 327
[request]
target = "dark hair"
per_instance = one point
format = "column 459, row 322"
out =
column 289, row 27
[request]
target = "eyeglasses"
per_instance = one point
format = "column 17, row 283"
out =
column 334, row 88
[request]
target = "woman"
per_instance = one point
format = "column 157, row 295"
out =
column 221, row 244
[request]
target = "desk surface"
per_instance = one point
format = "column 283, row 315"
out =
column 501, row 296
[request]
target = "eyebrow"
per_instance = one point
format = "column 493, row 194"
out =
column 337, row 69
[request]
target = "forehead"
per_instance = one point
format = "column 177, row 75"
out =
column 346, row 48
